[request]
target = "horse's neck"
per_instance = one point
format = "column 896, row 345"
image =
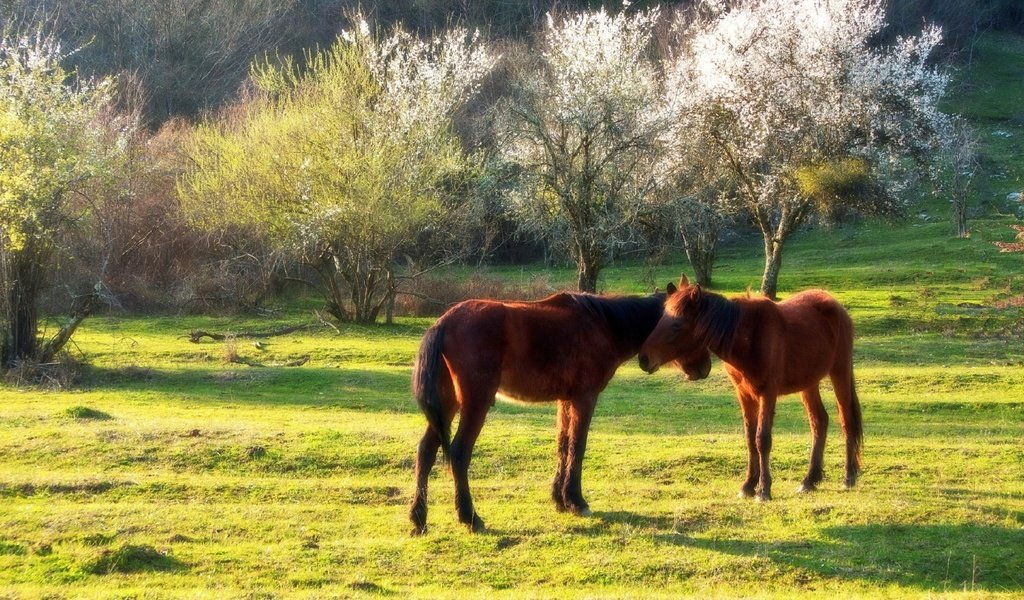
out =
column 723, row 325
column 630, row 320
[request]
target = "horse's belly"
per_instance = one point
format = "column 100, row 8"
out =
column 519, row 398
column 803, row 378
column 527, row 385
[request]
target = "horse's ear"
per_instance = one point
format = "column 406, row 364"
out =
column 670, row 288
column 696, row 294
column 683, row 281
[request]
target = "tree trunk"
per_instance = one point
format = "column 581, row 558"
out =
column 392, row 291
column 86, row 305
column 701, row 257
column 22, row 319
column 702, row 267
column 589, row 260
column 960, row 214
column 772, row 265
column 586, row 277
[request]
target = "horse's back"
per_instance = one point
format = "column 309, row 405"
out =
column 534, row 350
column 818, row 334
column 812, row 306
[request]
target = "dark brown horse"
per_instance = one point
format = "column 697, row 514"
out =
column 564, row 348
column 769, row 349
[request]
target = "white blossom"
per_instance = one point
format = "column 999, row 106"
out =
column 584, row 129
column 776, row 85
column 423, row 82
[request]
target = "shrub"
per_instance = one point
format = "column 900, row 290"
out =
column 431, row 296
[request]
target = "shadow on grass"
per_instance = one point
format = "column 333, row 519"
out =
column 932, row 558
column 620, row 517
column 346, row 388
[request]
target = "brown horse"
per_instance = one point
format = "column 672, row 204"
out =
column 769, row 349
column 565, row 348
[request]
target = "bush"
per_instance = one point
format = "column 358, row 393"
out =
column 60, row 374
column 431, row 296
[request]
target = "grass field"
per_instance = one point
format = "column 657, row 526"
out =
column 168, row 471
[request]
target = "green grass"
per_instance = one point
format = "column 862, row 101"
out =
column 989, row 95
column 170, row 472
column 215, row 479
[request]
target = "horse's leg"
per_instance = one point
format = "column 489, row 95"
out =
column 581, row 412
column 749, row 406
column 849, row 419
column 819, row 430
column 562, row 450
column 471, row 421
column 426, row 454
column 765, row 418
column 425, row 457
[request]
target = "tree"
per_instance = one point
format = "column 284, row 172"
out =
column 962, row 161
column 350, row 163
column 806, row 114
column 697, row 193
column 57, row 137
column 700, row 217
column 583, row 128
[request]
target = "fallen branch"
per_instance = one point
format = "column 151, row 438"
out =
column 323, row 321
column 298, row 362
column 198, row 334
column 86, row 305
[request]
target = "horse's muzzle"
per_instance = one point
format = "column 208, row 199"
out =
column 698, row 371
column 646, row 365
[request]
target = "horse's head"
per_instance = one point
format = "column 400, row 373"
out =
column 675, row 338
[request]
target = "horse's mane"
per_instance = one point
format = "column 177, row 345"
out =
column 717, row 320
column 629, row 318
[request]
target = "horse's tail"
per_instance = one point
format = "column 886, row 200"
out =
column 854, row 423
column 425, row 384
column 850, row 417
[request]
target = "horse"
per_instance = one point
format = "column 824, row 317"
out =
column 769, row 349
column 564, row 348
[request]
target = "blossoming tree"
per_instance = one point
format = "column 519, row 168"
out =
column 57, row 137
column 807, row 115
column 583, row 128
column 349, row 163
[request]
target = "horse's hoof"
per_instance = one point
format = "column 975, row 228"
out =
column 806, row 488
column 418, row 516
column 744, row 493
column 580, row 510
column 763, row 497
column 849, row 482
column 477, row 525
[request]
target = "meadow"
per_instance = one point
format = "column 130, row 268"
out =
column 168, row 470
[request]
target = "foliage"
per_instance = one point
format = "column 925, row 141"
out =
column 179, row 58
column 584, row 132
column 696, row 191
column 57, row 137
column 350, row 163
column 187, row 57
column 961, row 162
column 781, row 86
column 845, row 183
